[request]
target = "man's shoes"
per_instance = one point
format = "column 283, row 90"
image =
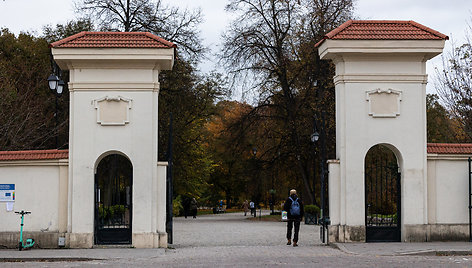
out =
column 289, row 242
column 295, row 244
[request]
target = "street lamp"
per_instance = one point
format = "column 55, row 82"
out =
column 60, row 88
column 53, row 80
column 272, row 199
column 56, row 85
column 315, row 136
column 258, row 194
column 170, row 183
column 321, row 136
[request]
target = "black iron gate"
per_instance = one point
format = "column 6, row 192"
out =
column 382, row 196
column 113, row 189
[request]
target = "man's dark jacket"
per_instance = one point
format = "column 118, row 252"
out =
column 288, row 204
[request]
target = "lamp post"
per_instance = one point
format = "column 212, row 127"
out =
column 321, row 136
column 258, row 194
column 315, row 136
column 272, row 199
column 254, row 153
column 56, row 85
column 170, row 185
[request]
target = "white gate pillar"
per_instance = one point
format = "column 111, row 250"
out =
column 380, row 99
column 114, row 92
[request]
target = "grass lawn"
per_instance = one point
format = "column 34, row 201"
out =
column 204, row 212
column 267, row 218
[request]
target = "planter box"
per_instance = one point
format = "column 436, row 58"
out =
column 311, row 219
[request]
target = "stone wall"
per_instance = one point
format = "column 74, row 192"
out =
column 447, row 206
column 41, row 188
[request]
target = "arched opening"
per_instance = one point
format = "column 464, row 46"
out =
column 382, row 195
column 113, row 200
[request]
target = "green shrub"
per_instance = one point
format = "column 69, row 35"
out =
column 103, row 212
column 177, row 207
column 312, row 209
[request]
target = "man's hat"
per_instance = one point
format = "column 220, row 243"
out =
column 293, row 191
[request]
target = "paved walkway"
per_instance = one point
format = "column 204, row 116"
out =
column 228, row 240
column 403, row 249
column 233, row 229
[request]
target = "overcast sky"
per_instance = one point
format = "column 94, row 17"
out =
column 446, row 16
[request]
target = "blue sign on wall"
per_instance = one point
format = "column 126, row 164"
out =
column 7, row 192
column 7, row 186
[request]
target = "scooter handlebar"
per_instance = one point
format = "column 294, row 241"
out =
column 23, row 212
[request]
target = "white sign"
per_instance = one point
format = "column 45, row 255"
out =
column 7, row 192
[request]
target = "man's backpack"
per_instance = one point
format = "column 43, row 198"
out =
column 295, row 207
column 251, row 205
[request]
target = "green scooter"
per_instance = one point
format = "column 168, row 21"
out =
column 29, row 242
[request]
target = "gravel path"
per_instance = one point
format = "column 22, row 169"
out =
column 234, row 229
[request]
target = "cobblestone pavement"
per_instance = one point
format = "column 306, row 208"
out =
column 228, row 240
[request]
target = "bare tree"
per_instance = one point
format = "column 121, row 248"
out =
column 26, row 114
column 60, row 31
column 171, row 23
column 272, row 43
column 454, row 82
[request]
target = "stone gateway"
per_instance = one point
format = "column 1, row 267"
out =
column 109, row 187
column 381, row 108
column 386, row 183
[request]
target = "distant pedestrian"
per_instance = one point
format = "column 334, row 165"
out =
column 245, row 207
column 294, row 207
column 186, row 205
column 194, row 207
column 252, row 206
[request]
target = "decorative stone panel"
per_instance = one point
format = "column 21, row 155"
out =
column 112, row 111
column 384, row 102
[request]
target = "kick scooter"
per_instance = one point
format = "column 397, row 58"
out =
column 29, row 242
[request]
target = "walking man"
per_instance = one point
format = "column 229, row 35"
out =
column 294, row 208
column 253, row 208
column 194, row 207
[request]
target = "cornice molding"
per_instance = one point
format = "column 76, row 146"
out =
column 384, row 78
column 119, row 86
column 450, row 157
column 60, row 162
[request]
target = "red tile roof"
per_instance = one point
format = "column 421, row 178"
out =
column 449, row 148
column 113, row 40
column 432, row 148
column 383, row 30
column 34, row 155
